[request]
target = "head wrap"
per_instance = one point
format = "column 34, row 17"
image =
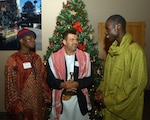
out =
column 25, row 32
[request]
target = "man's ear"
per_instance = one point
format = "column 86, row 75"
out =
column 21, row 40
column 119, row 26
column 64, row 42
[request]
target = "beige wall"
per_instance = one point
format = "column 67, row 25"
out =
column 98, row 11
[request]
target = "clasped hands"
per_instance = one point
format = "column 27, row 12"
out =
column 70, row 86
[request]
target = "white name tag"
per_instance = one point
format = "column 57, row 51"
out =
column 27, row 65
column 77, row 63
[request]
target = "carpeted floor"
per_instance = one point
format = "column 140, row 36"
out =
column 146, row 112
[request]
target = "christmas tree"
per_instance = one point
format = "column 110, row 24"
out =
column 74, row 16
column 8, row 13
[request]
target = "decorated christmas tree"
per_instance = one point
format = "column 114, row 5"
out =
column 74, row 16
column 8, row 13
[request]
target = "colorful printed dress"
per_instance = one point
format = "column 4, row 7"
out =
column 25, row 86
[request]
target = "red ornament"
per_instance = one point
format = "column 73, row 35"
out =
column 79, row 29
column 77, row 26
column 81, row 46
column 57, row 23
column 68, row 4
column 55, row 32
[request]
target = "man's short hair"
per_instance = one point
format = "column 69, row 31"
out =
column 70, row 31
column 118, row 19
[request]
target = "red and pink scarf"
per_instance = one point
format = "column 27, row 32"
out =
column 60, row 70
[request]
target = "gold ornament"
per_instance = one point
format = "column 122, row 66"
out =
column 73, row 12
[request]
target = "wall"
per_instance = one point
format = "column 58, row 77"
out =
column 98, row 11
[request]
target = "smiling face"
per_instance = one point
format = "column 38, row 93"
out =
column 111, row 30
column 28, row 42
column 70, row 43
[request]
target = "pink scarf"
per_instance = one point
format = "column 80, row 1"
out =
column 60, row 70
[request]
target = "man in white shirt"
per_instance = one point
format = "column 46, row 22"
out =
column 70, row 99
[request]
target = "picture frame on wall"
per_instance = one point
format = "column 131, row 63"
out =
column 16, row 15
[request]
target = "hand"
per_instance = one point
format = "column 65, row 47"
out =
column 28, row 114
column 64, row 84
column 72, row 86
column 99, row 98
column 20, row 116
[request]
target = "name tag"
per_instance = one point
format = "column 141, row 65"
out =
column 27, row 65
column 76, row 63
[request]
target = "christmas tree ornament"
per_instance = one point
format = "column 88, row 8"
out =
column 73, row 12
column 68, row 4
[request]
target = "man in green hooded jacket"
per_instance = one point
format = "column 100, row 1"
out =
column 121, row 92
